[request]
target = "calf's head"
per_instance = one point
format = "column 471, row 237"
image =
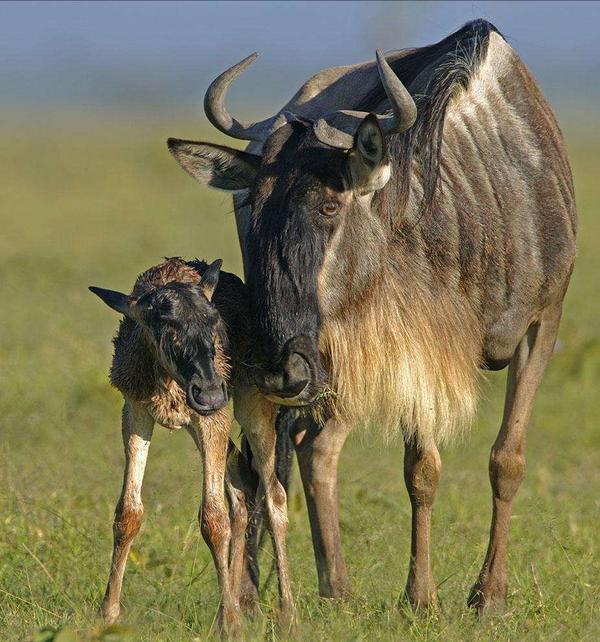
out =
column 184, row 330
column 315, row 239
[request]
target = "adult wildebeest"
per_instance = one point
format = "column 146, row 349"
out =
column 395, row 241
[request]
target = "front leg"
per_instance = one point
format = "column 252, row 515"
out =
column 422, row 467
column 257, row 417
column 211, row 435
column 318, row 450
column 137, row 427
column 241, row 485
column 246, row 481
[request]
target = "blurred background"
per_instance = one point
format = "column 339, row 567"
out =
column 152, row 55
column 90, row 195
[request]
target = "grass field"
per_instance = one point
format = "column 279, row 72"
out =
column 96, row 202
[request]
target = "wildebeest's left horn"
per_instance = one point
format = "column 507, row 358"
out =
column 216, row 112
column 403, row 105
column 337, row 128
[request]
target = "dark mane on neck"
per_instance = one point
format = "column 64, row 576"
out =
column 432, row 74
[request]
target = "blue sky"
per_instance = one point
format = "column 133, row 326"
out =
column 165, row 53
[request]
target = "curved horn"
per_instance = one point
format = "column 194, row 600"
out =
column 216, row 111
column 403, row 105
column 337, row 128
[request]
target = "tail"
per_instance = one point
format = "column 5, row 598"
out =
column 284, row 448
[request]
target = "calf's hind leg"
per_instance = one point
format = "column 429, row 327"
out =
column 507, row 459
column 241, row 487
column 137, row 430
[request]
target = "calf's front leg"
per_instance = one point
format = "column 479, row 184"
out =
column 257, row 417
column 137, row 427
column 211, row 435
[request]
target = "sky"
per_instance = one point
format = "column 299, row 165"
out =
column 153, row 54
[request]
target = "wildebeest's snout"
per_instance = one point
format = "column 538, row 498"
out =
column 206, row 397
column 293, row 380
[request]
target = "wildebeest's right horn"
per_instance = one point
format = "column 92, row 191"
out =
column 403, row 105
column 337, row 128
column 216, row 112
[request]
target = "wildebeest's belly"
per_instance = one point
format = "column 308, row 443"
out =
column 511, row 254
column 503, row 337
column 516, row 288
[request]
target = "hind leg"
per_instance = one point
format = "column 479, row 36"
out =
column 507, row 459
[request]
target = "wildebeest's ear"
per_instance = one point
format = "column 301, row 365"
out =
column 210, row 278
column 369, row 165
column 215, row 165
column 115, row 300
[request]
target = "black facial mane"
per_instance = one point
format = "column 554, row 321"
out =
column 287, row 251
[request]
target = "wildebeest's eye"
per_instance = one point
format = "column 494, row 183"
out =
column 329, row 208
column 145, row 306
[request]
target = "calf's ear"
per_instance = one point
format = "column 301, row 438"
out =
column 210, row 279
column 115, row 300
column 215, row 165
column 369, row 165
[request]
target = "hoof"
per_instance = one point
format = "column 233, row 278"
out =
column 337, row 591
column 110, row 612
column 230, row 623
column 248, row 596
column 249, row 604
column 487, row 597
column 287, row 619
column 422, row 596
column 425, row 602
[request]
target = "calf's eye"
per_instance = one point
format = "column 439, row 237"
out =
column 329, row 208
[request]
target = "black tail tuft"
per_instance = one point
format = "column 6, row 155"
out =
column 284, row 448
column 284, row 451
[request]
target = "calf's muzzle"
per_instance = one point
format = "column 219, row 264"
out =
column 206, row 397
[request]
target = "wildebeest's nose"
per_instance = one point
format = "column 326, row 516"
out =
column 206, row 398
column 290, row 380
column 293, row 375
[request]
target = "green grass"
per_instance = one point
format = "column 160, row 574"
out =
column 96, row 202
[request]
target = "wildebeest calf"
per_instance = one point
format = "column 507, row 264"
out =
column 178, row 354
